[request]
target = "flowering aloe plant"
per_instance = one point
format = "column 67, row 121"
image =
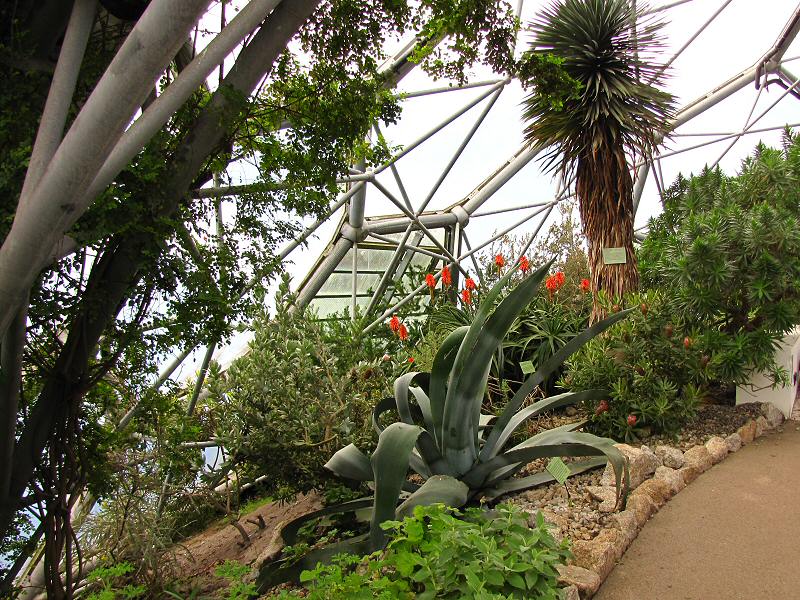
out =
column 441, row 434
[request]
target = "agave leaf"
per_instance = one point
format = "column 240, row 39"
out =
column 440, row 377
column 547, row 444
column 515, row 485
column 390, row 467
column 472, row 363
column 350, row 463
column 281, row 571
column 290, row 529
column 438, row 489
column 543, row 405
column 385, row 405
column 401, row 386
column 539, row 438
column 491, row 448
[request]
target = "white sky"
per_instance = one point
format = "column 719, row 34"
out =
column 740, row 35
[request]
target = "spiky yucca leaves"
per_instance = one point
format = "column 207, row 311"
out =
column 620, row 109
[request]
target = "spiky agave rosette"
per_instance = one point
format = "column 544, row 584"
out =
column 441, row 435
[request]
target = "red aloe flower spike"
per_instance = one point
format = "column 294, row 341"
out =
column 524, row 264
column 585, row 285
column 394, row 323
column 447, row 278
column 466, row 296
column 470, row 283
column 499, row 261
column 403, row 333
column 430, row 281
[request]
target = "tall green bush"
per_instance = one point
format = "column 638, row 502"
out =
column 726, row 252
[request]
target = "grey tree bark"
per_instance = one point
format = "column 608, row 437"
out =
column 126, row 258
column 58, row 200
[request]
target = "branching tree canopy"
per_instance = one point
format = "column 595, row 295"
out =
column 112, row 114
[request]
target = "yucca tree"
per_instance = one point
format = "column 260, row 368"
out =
column 619, row 111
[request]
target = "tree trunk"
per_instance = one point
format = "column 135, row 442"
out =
column 605, row 192
column 114, row 276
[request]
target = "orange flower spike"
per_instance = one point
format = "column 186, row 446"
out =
column 585, row 285
column 470, row 283
column 524, row 264
column 466, row 296
column 430, row 281
column 560, row 278
column 447, row 277
column 499, row 261
column 394, row 324
column 402, row 333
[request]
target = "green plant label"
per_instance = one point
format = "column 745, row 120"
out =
column 614, row 256
column 558, row 469
column 527, row 367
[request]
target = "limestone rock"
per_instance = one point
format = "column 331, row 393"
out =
column 625, row 522
column 672, row 477
column 599, row 554
column 606, row 495
column 762, row 425
column 773, row 415
column 641, row 462
column 698, row 456
column 689, row 473
column 642, row 507
column 747, row 432
column 571, row 593
column 717, row 448
column 658, row 490
column 273, row 547
column 670, row 457
column 734, row 442
column 583, row 580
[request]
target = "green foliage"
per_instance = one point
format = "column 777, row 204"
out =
column 109, row 577
column 440, row 552
column 726, row 252
column 236, row 573
column 648, row 370
column 304, row 387
column 460, row 453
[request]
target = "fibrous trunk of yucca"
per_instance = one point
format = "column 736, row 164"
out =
column 605, row 191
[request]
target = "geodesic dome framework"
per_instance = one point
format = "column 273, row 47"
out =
column 461, row 177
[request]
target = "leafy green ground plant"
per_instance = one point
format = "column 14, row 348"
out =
column 440, row 552
column 459, row 453
column 236, row 573
column 109, row 578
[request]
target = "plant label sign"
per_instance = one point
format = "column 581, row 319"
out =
column 614, row 256
column 558, row 469
column 527, row 367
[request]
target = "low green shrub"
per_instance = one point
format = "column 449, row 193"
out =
column 445, row 553
column 305, row 388
column 655, row 372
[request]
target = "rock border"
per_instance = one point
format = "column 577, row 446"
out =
column 657, row 481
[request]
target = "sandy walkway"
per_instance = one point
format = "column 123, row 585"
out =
column 733, row 534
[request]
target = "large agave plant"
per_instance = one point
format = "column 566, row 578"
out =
column 442, row 436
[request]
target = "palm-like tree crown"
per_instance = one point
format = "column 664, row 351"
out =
column 620, row 104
